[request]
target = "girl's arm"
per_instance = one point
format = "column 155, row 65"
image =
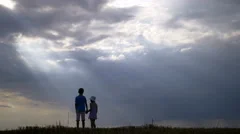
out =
column 97, row 107
column 90, row 108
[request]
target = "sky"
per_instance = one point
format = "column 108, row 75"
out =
column 174, row 61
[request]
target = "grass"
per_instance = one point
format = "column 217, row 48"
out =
column 121, row 130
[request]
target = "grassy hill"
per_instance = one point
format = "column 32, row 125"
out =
column 122, row 130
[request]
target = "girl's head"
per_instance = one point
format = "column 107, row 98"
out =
column 93, row 99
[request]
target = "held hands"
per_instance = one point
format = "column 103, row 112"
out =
column 87, row 111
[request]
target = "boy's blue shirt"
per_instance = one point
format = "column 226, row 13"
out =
column 80, row 102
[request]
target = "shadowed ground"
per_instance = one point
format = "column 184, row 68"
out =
column 122, row 130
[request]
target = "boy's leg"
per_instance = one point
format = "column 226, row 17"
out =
column 77, row 123
column 83, row 119
column 78, row 119
column 83, row 123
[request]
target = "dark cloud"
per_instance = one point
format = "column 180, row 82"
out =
column 41, row 15
column 9, row 24
column 214, row 14
column 196, row 85
column 117, row 15
column 90, row 5
column 36, row 18
column 11, row 61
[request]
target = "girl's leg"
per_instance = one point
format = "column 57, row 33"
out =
column 92, row 123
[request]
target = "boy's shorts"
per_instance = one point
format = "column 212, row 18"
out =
column 82, row 114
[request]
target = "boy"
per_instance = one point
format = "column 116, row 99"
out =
column 80, row 104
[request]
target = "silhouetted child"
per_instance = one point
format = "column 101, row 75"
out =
column 93, row 111
column 80, row 105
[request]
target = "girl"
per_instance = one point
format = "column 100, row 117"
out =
column 93, row 111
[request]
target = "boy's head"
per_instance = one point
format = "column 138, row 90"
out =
column 81, row 91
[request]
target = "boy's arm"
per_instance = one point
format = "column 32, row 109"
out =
column 75, row 103
column 86, row 104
